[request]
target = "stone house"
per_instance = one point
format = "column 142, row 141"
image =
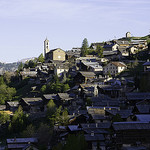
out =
column 114, row 68
column 56, row 54
column 60, row 69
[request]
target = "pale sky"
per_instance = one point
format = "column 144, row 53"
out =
column 24, row 24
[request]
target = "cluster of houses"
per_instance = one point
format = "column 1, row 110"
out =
column 103, row 107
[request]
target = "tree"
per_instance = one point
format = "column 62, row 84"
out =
column 20, row 67
column 60, row 117
column 40, row 58
column 56, row 117
column 65, row 87
column 1, row 80
column 7, row 77
column 4, row 117
column 99, row 51
column 30, row 64
column 29, row 132
column 43, row 89
column 85, row 47
column 6, row 93
column 64, row 117
column 51, row 108
column 19, row 121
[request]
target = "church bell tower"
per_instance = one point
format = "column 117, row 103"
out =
column 46, row 47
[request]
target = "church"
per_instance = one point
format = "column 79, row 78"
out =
column 54, row 54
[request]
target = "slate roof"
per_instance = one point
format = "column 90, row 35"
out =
column 122, row 113
column 88, row 74
column 143, row 109
column 2, row 107
column 63, row 96
column 104, row 101
column 96, row 131
column 13, row 103
column 143, row 117
column 135, row 148
column 107, row 53
column 120, row 42
column 108, row 45
column 49, row 96
column 96, row 44
column 33, row 101
column 21, row 140
column 146, row 63
column 131, row 126
column 74, row 128
column 110, row 87
column 102, row 125
column 55, row 49
column 138, row 96
column 118, row 64
column 98, row 117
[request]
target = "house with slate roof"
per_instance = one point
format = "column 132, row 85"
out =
column 110, row 46
column 32, row 105
column 114, row 68
column 21, row 143
column 85, row 77
column 131, row 132
column 147, row 66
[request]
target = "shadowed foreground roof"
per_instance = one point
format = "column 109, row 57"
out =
column 131, row 125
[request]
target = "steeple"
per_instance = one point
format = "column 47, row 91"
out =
column 46, row 47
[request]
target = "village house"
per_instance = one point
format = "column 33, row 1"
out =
column 139, row 44
column 94, row 45
column 110, row 46
column 21, row 143
column 31, row 72
column 88, row 90
column 123, row 113
column 85, row 77
column 114, row 68
column 113, row 91
column 59, row 70
column 91, row 66
column 12, row 106
column 97, row 135
column 129, row 133
column 122, row 43
column 87, row 59
column 104, row 101
column 32, row 105
column 134, row 98
column 142, row 107
column 147, row 66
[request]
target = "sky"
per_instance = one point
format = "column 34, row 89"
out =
column 25, row 24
